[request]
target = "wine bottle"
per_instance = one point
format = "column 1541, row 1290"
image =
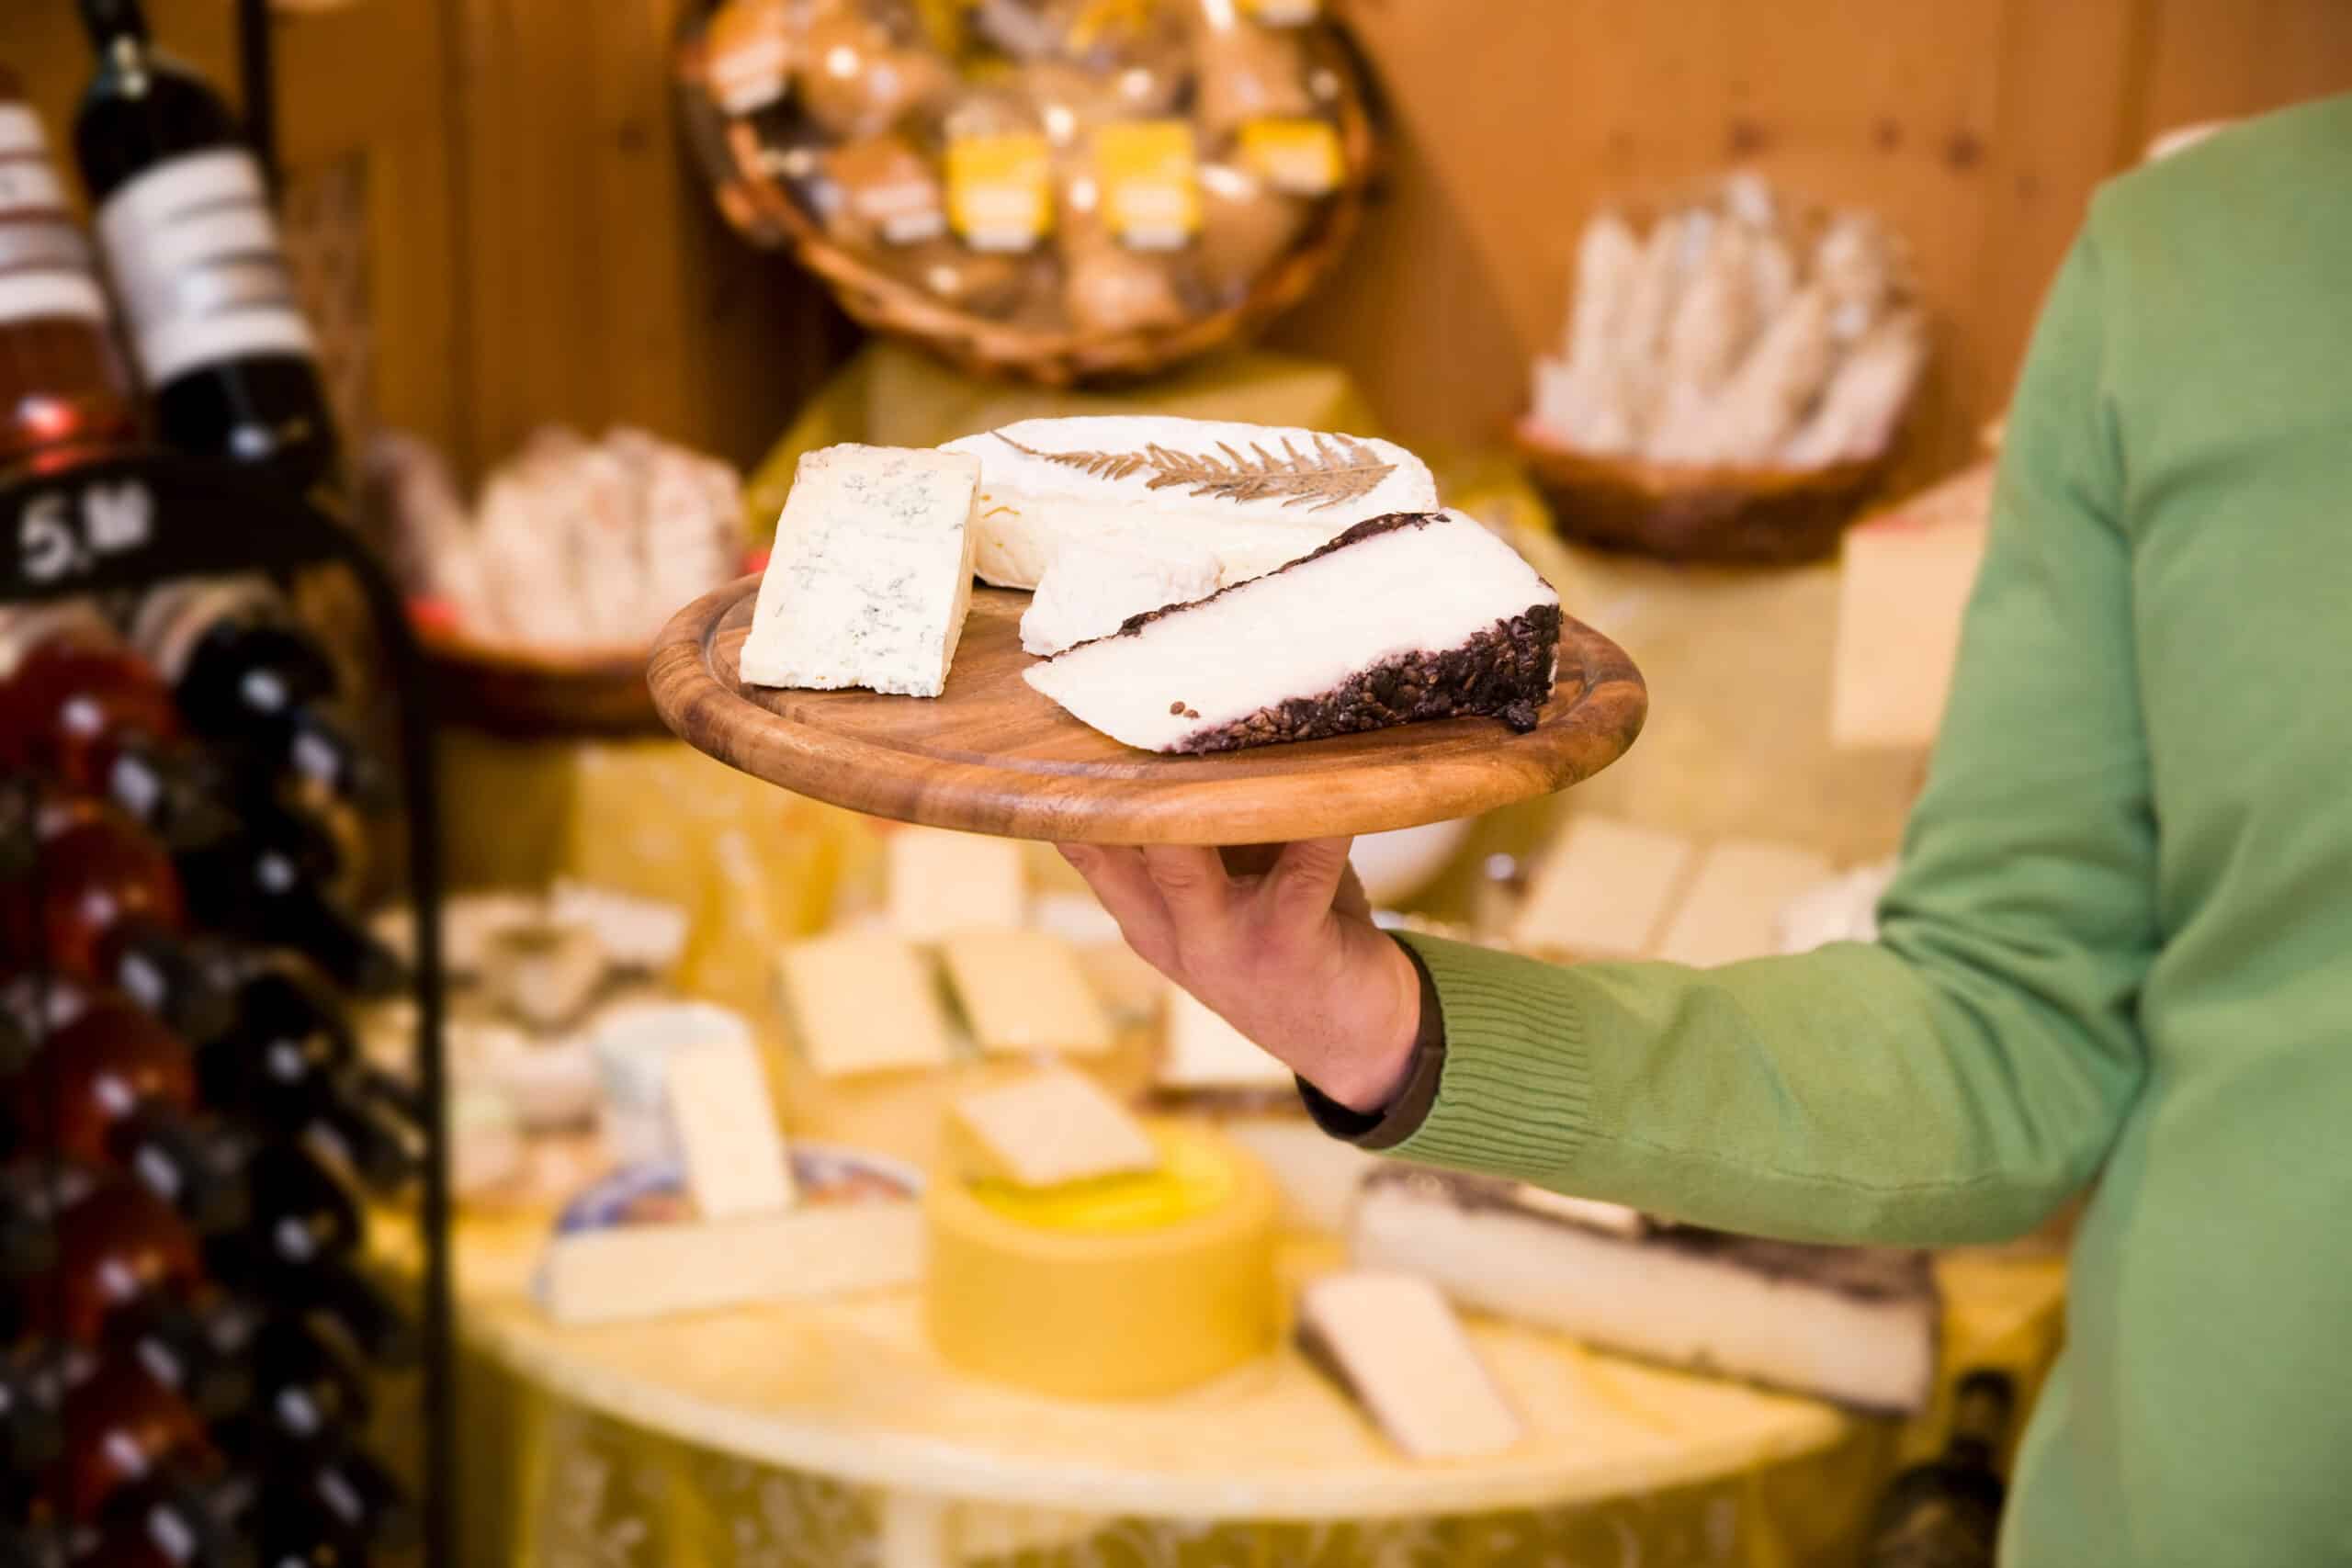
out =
column 114, row 1086
column 267, row 881
column 130, row 1282
column 296, row 1251
column 32, row 1387
column 78, row 707
column 136, row 1457
column 61, row 386
column 104, row 907
column 1946, row 1513
column 245, row 673
column 187, row 228
column 28, row 1222
column 289, row 1064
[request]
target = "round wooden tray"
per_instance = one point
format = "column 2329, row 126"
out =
column 992, row 756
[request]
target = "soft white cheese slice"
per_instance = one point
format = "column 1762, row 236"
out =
column 1254, row 495
column 871, row 574
column 1173, row 683
column 1024, row 992
column 1392, row 1341
column 1048, row 1129
column 1094, row 585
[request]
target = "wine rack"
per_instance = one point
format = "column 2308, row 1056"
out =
column 130, row 521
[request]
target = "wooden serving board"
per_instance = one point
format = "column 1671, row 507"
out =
column 990, row 755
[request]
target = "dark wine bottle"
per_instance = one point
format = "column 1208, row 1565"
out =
column 61, row 386
column 137, row 1459
column 79, row 707
column 268, row 882
column 105, row 908
column 296, row 1251
column 113, row 1086
column 245, row 673
column 32, row 1388
column 1946, row 1513
column 289, row 1064
column 28, row 1222
column 186, row 225
column 130, row 1282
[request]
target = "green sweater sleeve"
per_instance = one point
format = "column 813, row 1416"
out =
column 1959, row 1079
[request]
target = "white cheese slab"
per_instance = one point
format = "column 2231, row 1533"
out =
column 941, row 882
column 1200, row 1050
column 864, row 1002
column 726, row 1128
column 1393, row 1341
column 1049, row 1129
column 1602, row 890
column 1024, row 991
column 1732, row 909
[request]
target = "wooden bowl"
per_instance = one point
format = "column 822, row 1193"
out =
column 759, row 204
column 525, row 693
column 1727, row 515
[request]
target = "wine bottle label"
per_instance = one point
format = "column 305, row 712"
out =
column 24, row 627
column 195, row 258
column 45, row 272
column 29, row 185
column 173, row 619
column 48, row 296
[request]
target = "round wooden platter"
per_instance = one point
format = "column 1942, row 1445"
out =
column 990, row 755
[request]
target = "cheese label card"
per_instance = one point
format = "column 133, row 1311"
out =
column 999, row 192
column 1300, row 157
column 1152, row 190
column 1047, row 1131
column 726, row 1128
column 1024, row 991
column 863, row 1002
column 942, row 882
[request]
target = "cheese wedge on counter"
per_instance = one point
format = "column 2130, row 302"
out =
column 1046, row 1130
column 864, row 1002
column 942, row 882
column 1255, row 496
column 1731, row 909
column 1602, row 890
column 1392, row 1342
column 628, row 1273
column 1024, row 991
column 871, row 574
column 726, row 1128
column 1853, row 1325
column 1200, row 1050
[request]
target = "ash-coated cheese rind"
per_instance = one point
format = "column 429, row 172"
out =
column 1400, row 619
column 871, row 574
column 1853, row 1325
column 1253, row 495
column 1393, row 1343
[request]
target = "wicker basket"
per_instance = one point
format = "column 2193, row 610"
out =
column 1740, row 516
column 760, row 207
column 525, row 695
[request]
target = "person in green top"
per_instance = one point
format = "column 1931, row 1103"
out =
column 2118, row 950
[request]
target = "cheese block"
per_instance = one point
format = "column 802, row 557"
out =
column 1123, row 1287
column 1255, row 496
column 1856, row 1325
column 644, row 934
column 1602, row 890
column 1200, row 1051
column 864, row 1002
column 626, row 1251
column 870, row 575
column 1094, row 585
column 726, row 1128
column 1393, row 1343
column 1414, row 617
column 1024, row 991
column 543, row 972
column 942, row 882
column 1046, row 1130
column 1843, row 908
column 1733, row 904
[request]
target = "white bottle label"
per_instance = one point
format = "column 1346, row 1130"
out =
column 20, row 133
column 28, row 184
column 47, row 296
column 196, row 261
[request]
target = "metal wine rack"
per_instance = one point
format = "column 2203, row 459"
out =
column 137, row 518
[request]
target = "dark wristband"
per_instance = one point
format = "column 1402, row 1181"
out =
column 1402, row 1116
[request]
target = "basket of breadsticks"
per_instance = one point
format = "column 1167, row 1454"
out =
column 536, row 604
column 1054, row 190
column 1732, row 379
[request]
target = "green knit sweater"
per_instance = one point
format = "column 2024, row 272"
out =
column 2119, row 951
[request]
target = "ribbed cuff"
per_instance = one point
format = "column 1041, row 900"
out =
column 1516, row 1092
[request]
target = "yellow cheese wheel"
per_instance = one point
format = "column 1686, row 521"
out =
column 1120, row 1287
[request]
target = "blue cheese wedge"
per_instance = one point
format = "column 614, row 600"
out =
column 871, row 574
column 1255, row 496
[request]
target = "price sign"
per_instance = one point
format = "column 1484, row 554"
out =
column 68, row 531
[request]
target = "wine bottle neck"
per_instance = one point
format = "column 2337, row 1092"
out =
column 110, row 21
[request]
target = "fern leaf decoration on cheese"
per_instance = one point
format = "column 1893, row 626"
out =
column 1336, row 470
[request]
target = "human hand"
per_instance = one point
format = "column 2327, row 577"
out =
column 1281, row 946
